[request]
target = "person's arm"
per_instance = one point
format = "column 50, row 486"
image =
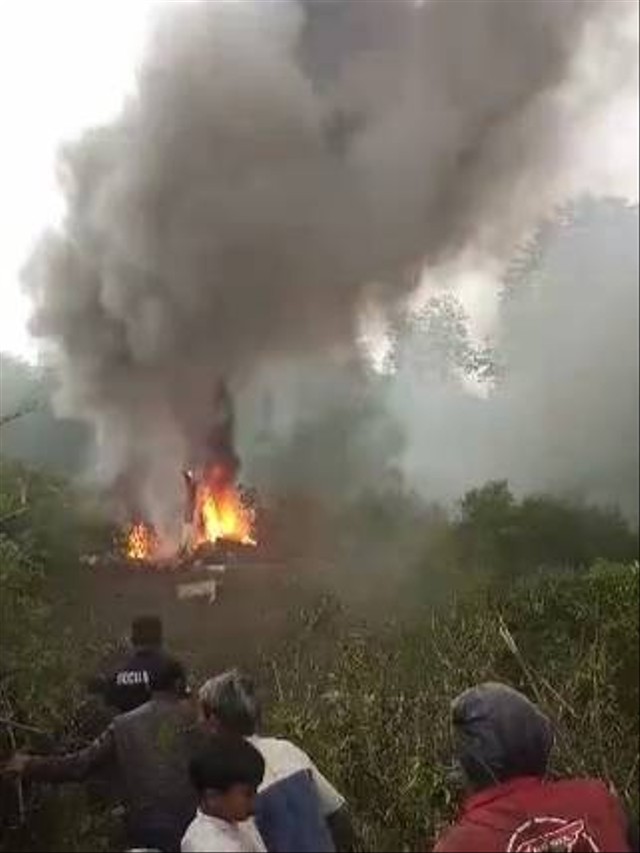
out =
column 336, row 813
column 186, row 846
column 96, row 684
column 342, row 831
column 73, row 767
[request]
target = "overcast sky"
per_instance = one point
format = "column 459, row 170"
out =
column 67, row 65
column 63, row 66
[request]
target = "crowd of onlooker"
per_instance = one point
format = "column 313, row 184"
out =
column 198, row 774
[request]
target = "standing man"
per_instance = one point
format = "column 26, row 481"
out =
column 151, row 747
column 297, row 809
column 129, row 686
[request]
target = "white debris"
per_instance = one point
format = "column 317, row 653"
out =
column 198, row 589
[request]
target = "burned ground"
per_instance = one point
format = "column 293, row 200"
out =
column 252, row 612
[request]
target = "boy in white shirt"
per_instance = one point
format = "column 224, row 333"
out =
column 226, row 774
column 297, row 809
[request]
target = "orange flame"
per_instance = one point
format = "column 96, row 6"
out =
column 219, row 513
column 140, row 542
column 222, row 515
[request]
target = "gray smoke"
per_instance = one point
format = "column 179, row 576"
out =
column 564, row 418
column 277, row 160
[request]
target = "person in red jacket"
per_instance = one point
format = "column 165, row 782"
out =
column 503, row 742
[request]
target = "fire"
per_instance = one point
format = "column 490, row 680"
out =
column 215, row 512
column 221, row 514
column 215, row 508
column 140, row 542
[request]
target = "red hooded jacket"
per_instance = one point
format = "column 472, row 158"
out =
column 530, row 814
column 503, row 742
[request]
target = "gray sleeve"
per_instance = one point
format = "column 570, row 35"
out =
column 75, row 766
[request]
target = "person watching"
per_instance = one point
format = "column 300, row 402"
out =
column 503, row 743
column 226, row 774
column 151, row 747
column 297, row 809
column 129, row 685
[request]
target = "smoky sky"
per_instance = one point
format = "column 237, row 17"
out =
column 276, row 160
column 564, row 418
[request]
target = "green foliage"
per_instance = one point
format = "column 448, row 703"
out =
column 503, row 536
column 43, row 661
column 374, row 715
column 597, row 612
column 372, row 706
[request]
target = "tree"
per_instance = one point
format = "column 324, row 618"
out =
column 437, row 341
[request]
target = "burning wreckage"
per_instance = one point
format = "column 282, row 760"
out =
column 219, row 523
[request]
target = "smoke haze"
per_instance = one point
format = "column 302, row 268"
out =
column 564, row 418
column 283, row 163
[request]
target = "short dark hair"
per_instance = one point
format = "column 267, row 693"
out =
column 169, row 677
column 146, row 631
column 224, row 761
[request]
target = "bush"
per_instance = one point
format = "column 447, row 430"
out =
column 498, row 535
column 374, row 711
column 577, row 638
column 42, row 662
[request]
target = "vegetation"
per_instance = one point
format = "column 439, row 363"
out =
column 43, row 660
column 372, row 705
column 529, row 602
column 496, row 533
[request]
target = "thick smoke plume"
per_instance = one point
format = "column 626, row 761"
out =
column 278, row 160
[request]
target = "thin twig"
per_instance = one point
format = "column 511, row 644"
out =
column 596, row 710
column 276, row 676
column 629, row 781
column 531, row 676
column 13, row 416
column 562, row 701
column 11, row 724
column 20, row 511
column 22, row 815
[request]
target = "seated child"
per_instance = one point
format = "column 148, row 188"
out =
column 226, row 774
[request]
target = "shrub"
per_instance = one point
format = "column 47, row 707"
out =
column 374, row 711
column 42, row 662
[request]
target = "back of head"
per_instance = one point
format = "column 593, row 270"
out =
column 146, row 631
column 499, row 735
column 225, row 761
column 230, row 701
column 169, row 677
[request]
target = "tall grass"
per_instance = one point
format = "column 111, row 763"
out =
column 372, row 706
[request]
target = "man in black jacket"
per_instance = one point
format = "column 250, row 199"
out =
column 129, row 686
